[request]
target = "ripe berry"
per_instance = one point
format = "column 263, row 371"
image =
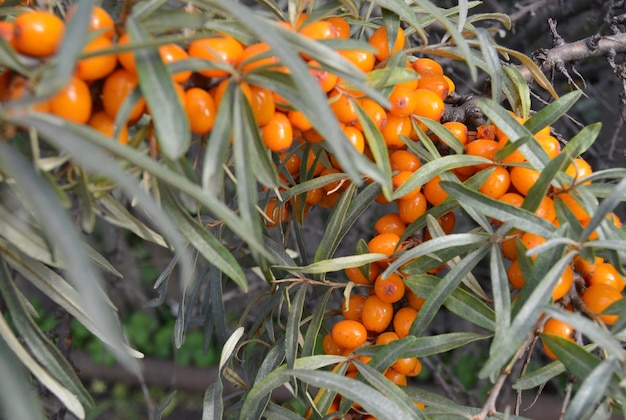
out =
column 390, row 289
column 349, row 334
column 600, row 296
column 99, row 66
column 73, row 102
column 559, row 328
column 380, row 41
column 38, row 33
column 277, row 134
column 376, row 315
column 201, row 110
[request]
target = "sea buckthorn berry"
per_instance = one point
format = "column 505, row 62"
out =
column 262, row 104
column 99, row 66
column 319, row 30
column 73, row 102
column 291, row 162
column 38, row 33
column 338, row 185
column 446, row 222
column 396, row 377
column 299, row 120
column 390, row 223
column 100, row 20
column 523, row 179
column 451, row 85
column 435, row 83
column 374, row 111
column 170, row 53
column 497, row 183
column 403, row 320
column 530, row 240
column 484, row 148
column 355, row 275
column 355, row 137
column 352, row 308
column 514, row 199
column 412, row 208
column 331, row 347
column 126, row 58
column 515, row 276
column 221, row 48
column 403, row 160
column 433, row 192
column 384, row 243
column 559, row 328
column 546, row 209
column 606, row 273
column 276, row 212
column 349, row 334
column 509, row 249
column 257, row 56
column 406, row 366
column 549, row 144
column 314, row 196
column 390, row 289
column 312, row 159
column 386, row 338
column 396, row 128
column 600, row 296
column 458, row 130
column 564, row 284
column 574, row 206
column 325, row 79
column 429, row 105
column 362, row 59
column 343, row 106
column 6, row 31
column 201, row 110
column 342, row 27
column 399, row 179
column 376, row 315
column 586, row 268
column 105, row 124
column 380, row 41
column 117, row 86
column 403, row 101
column 415, row 301
column 427, row 65
column 578, row 169
column 277, row 134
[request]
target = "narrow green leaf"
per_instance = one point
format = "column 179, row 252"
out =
column 292, row 332
column 460, row 301
column 516, row 91
column 370, row 399
column 591, row 391
column 336, row 264
column 500, row 290
column 582, row 141
column 550, row 114
column 170, row 121
column 494, row 68
column 213, row 401
column 313, row 329
column 158, row 415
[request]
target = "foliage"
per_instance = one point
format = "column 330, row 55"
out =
column 229, row 207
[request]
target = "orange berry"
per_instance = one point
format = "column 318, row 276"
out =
column 257, row 56
column 451, row 85
column 515, row 276
column 600, row 296
column 435, row 83
column 342, row 27
column 363, row 60
column 349, row 334
column 403, row 320
column 524, row 178
column 564, row 284
column 105, row 124
column 427, row 65
column 447, row 222
column 126, row 58
column 201, row 110
column 386, row 338
column 415, row 301
column 395, row 129
column 314, row 196
column 607, row 274
column 73, row 102
column 578, row 169
column 325, row 79
column 406, row 366
column 343, row 106
column 117, row 86
column 221, row 48
column 376, row 315
column 399, row 179
column 37, row 33
column 390, row 289
column 458, row 130
column 380, row 41
column 403, row 160
column 574, row 206
column 319, row 30
column 262, row 104
column 277, row 134
column 509, row 249
column 411, row 209
column 99, row 66
column 396, row 377
column 484, row 148
column 100, row 20
column 355, row 275
column 433, row 192
column 512, row 198
column 546, row 209
column 429, row 105
column 530, row 240
column 497, row 183
column 550, row 144
column 6, row 31
column 352, row 308
column 403, row 101
column 331, row 347
column 384, row 243
column 374, row 111
column 559, row 328
column 586, row 268
column 170, row 53
column 299, row 120
column 390, row 223
column 276, row 212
